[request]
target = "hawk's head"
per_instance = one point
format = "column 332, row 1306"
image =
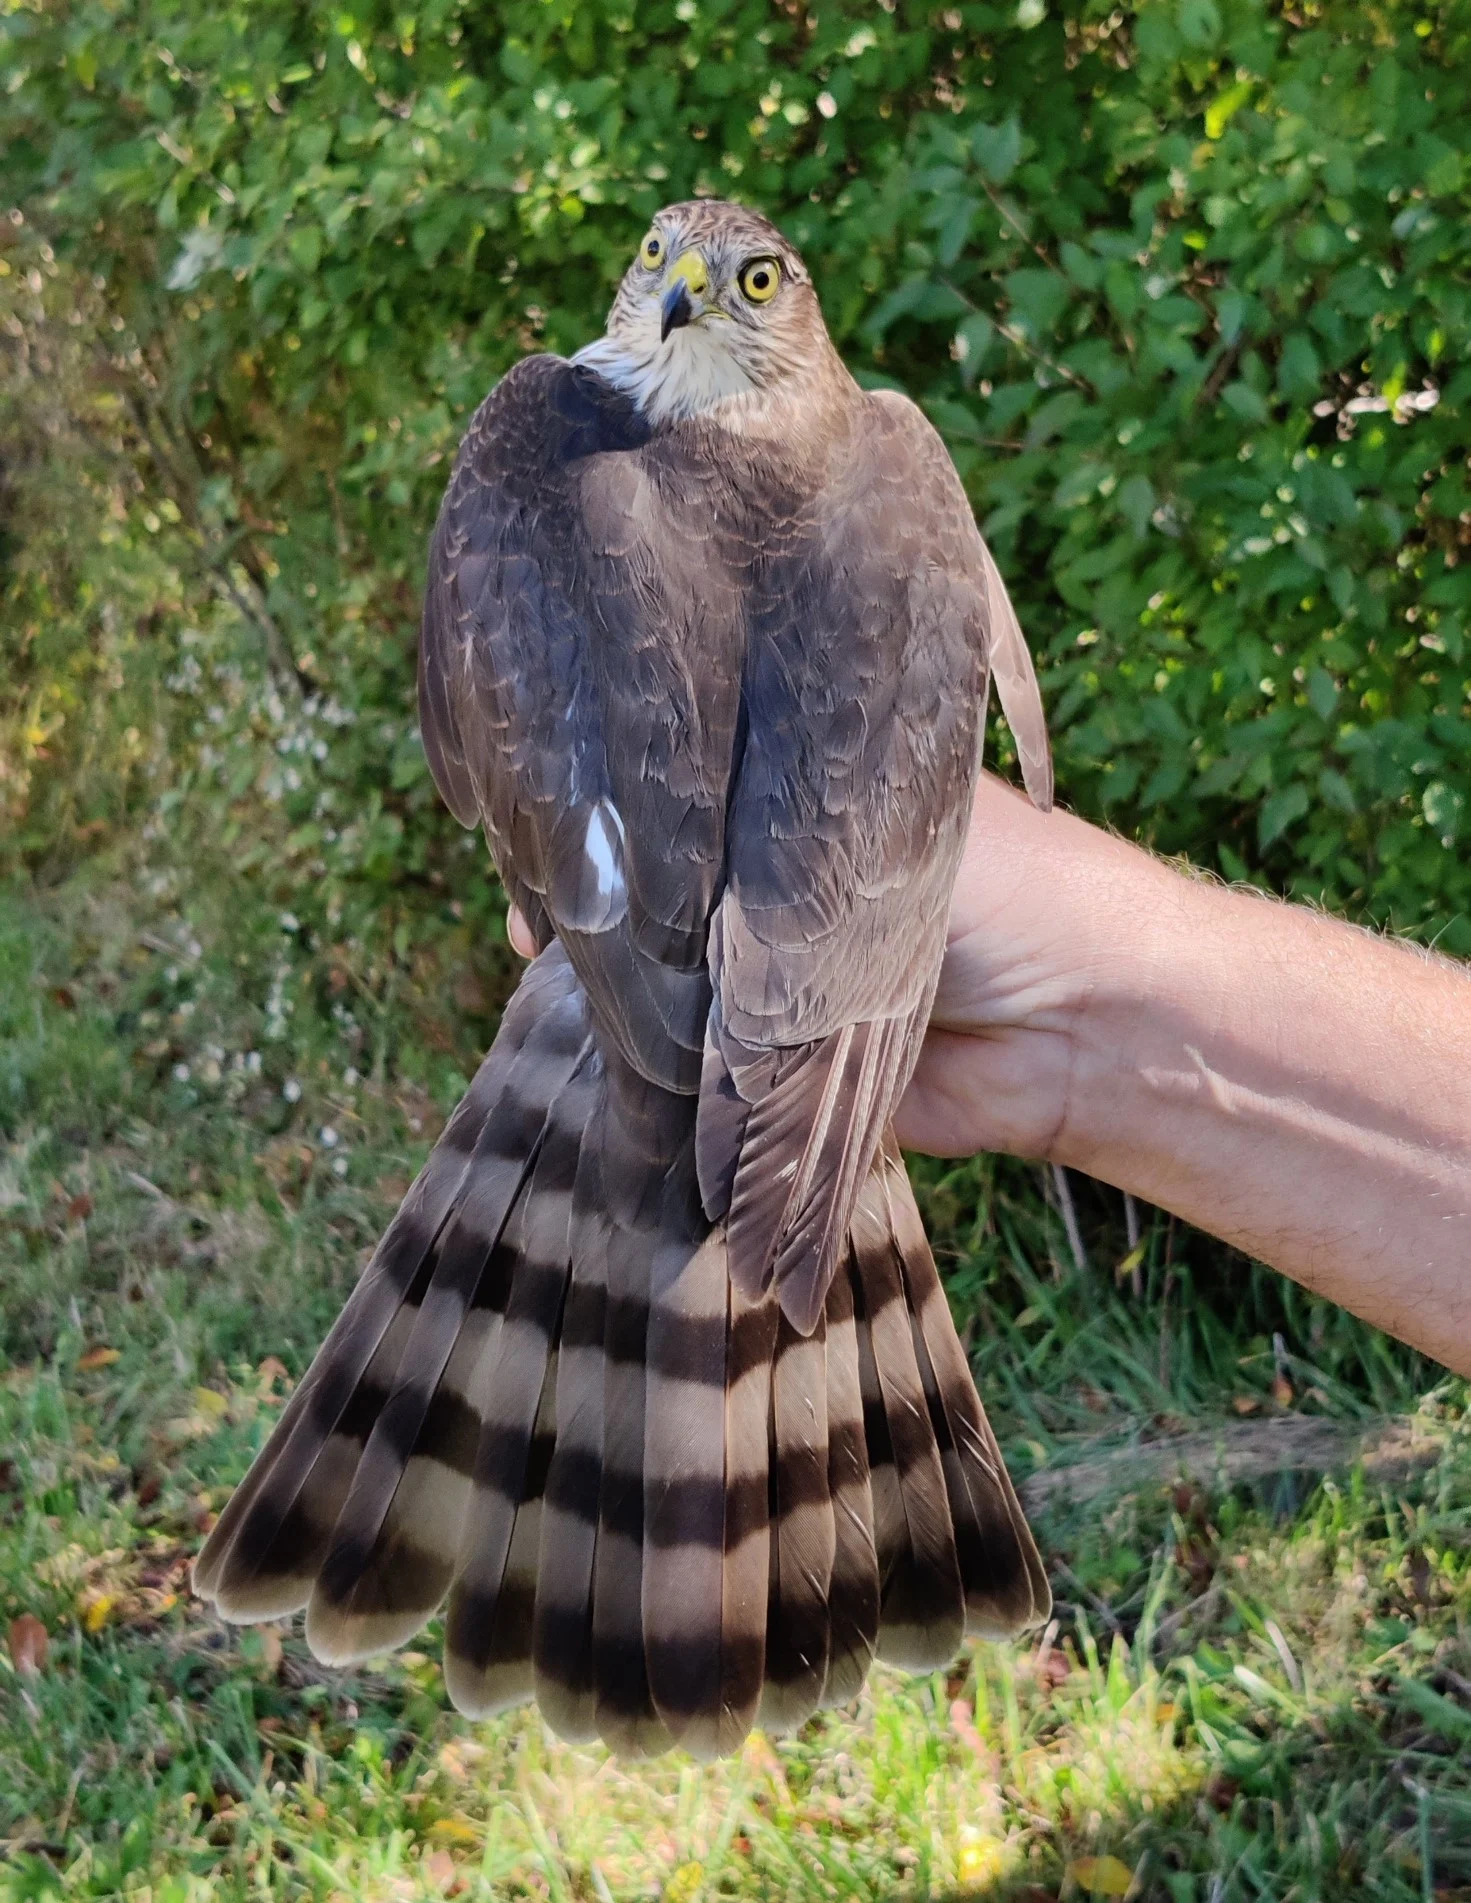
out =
column 716, row 304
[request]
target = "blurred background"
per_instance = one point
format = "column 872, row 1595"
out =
column 1187, row 288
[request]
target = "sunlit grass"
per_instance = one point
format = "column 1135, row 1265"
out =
column 1252, row 1687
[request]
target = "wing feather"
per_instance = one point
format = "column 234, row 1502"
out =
column 579, row 689
column 873, row 628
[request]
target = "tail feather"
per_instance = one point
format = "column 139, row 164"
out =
column 890, row 1528
column 923, row 1617
column 393, row 1552
column 264, row 1553
column 506, row 1674
column 409, row 1569
column 562, row 1640
column 803, row 1538
column 525, row 1346
column 751, row 1328
column 636, row 1157
column 350, row 1615
column 685, row 1490
column 397, row 1530
column 853, row 1600
column 656, row 1500
column 1005, row 1582
column 821, row 1106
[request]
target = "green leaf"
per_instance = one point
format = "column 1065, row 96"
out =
column 1443, row 179
column 1053, row 417
column 1335, row 790
column 1199, row 22
column 1443, row 807
column 1080, row 482
column 1231, row 309
column 956, row 230
column 305, row 247
column 1038, row 298
column 1322, row 693
column 1136, row 502
column 1241, row 400
column 997, row 149
column 1278, row 811
column 918, row 297
column 1299, row 373
column 975, row 336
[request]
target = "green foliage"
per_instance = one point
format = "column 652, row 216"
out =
column 1223, row 402
column 1185, row 285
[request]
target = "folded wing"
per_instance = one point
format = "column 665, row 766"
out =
column 872, row 635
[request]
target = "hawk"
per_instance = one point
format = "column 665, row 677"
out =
column 651, row 1381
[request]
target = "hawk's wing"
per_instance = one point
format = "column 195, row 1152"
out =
column 871, row 633
column 579, row 679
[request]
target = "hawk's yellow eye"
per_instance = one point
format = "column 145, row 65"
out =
column 651, row 251
column 759, row 280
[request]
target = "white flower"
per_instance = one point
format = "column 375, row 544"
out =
column 181, row 1071
column 328, row 1137
column 291, row 1090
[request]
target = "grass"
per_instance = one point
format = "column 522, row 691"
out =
column 1258, row 1682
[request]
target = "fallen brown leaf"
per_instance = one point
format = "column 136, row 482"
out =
column 29, row 1645
column 98, row 1358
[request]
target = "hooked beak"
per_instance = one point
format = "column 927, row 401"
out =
column 676, row 310
column 688, row 279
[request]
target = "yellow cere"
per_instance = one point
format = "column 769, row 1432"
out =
column 692, row 269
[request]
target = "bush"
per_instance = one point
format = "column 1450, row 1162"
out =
column 1184, row 285
column 1186, row 288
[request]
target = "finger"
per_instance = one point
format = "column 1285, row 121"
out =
column 519, row 932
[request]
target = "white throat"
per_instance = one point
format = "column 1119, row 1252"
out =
column 690, row 371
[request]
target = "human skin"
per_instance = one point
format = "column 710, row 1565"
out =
column 1293, row 1085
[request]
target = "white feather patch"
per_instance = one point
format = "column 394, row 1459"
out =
column 689, row 371
column 604, row 848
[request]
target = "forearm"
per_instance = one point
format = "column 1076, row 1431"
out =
column 1317, row 1114
column 1295, row 1086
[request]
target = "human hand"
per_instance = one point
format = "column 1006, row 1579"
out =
column 1041, row 908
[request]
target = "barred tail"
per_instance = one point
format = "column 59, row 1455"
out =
column 647, row 1500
